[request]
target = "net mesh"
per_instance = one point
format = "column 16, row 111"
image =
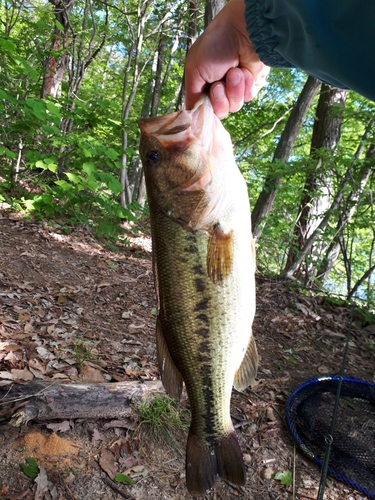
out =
column 309, row 413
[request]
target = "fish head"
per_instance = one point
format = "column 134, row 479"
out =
column 185, row 156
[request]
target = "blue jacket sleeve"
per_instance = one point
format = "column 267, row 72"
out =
column 333, row 40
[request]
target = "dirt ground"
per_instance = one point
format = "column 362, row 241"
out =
column 74, row 309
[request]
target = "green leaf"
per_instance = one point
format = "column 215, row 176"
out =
column 3, row 95
column 59, row 26
column 9, row 154
column 89, row 168
column 64, row 185
column 51, row 129
column 76, row 179
column 8, row 45
column 40, row 164
column 111, row 153
column 52, row 167
column 115, row 186
column 285, row 477
column 53, row 109
column 32, row 469
column 121, row 478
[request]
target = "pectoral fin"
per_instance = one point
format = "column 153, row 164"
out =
column 170, row 375
column 219, row 254
column 246, row 373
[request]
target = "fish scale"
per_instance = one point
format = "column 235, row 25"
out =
column 204, row 267
column 192, row 342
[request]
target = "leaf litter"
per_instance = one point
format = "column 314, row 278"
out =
column 71, row 309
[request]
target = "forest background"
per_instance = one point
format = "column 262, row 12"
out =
column 75, row 77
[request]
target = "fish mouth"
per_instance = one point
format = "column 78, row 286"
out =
column 177, row 131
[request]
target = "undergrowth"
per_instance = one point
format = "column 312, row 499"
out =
column 162, row 419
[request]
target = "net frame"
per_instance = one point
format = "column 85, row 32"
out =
column 351, row 388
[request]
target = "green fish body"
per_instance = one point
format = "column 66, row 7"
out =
column 204, row 265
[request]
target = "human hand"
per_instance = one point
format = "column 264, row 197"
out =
column 223, row 56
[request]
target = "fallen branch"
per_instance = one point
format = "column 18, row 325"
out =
column 41, row 401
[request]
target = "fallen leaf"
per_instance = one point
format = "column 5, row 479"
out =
column 24, row 316
column 12, row 347
column 6, row 375
column 41, row 482
column 59, row 427
column 21, row 374
column 28, row 327
column 108, row 463
column 323, row 369
column 13, row 358
column 91, row 375
column 4, row 383
column 50, row 329
column 61, row 299
column 270, row 414
column 96, row 436
column 125, row 423
column 44, row 353
column 36, row 365
column 128, row 462
column 133, row 328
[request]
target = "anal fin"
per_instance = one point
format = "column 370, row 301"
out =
column 170, row 375
column 246, row 373
column 219, row 254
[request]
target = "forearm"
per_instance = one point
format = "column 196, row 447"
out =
column 333, row 40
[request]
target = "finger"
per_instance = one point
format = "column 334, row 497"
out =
column 259, row 81
column 194, row 85
column 235, row 89
column 219, row 99
column 248, row 84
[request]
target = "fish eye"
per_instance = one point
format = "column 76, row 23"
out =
column 153, row 157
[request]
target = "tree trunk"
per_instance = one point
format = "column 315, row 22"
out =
column 57, row 66
column 192, row 31
column 326, row 134
column 40, row 400
column 265, row 201
column 212, row 8
column 351, row 203
column 289, row 273
column 158, row 76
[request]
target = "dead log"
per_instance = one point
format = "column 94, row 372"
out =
column 40, row 401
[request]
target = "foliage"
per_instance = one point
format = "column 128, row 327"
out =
column 285, row 477
column 68, row 153
column 122, row 478
column 31, row 469
column 161, row 417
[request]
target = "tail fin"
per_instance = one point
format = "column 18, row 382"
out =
column 204, row 463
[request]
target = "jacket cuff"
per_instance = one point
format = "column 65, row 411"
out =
column 260, row 34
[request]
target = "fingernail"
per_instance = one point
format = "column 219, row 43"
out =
column 235, row 78
column 218, row 91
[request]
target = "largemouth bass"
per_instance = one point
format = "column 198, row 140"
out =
column 204, row 265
